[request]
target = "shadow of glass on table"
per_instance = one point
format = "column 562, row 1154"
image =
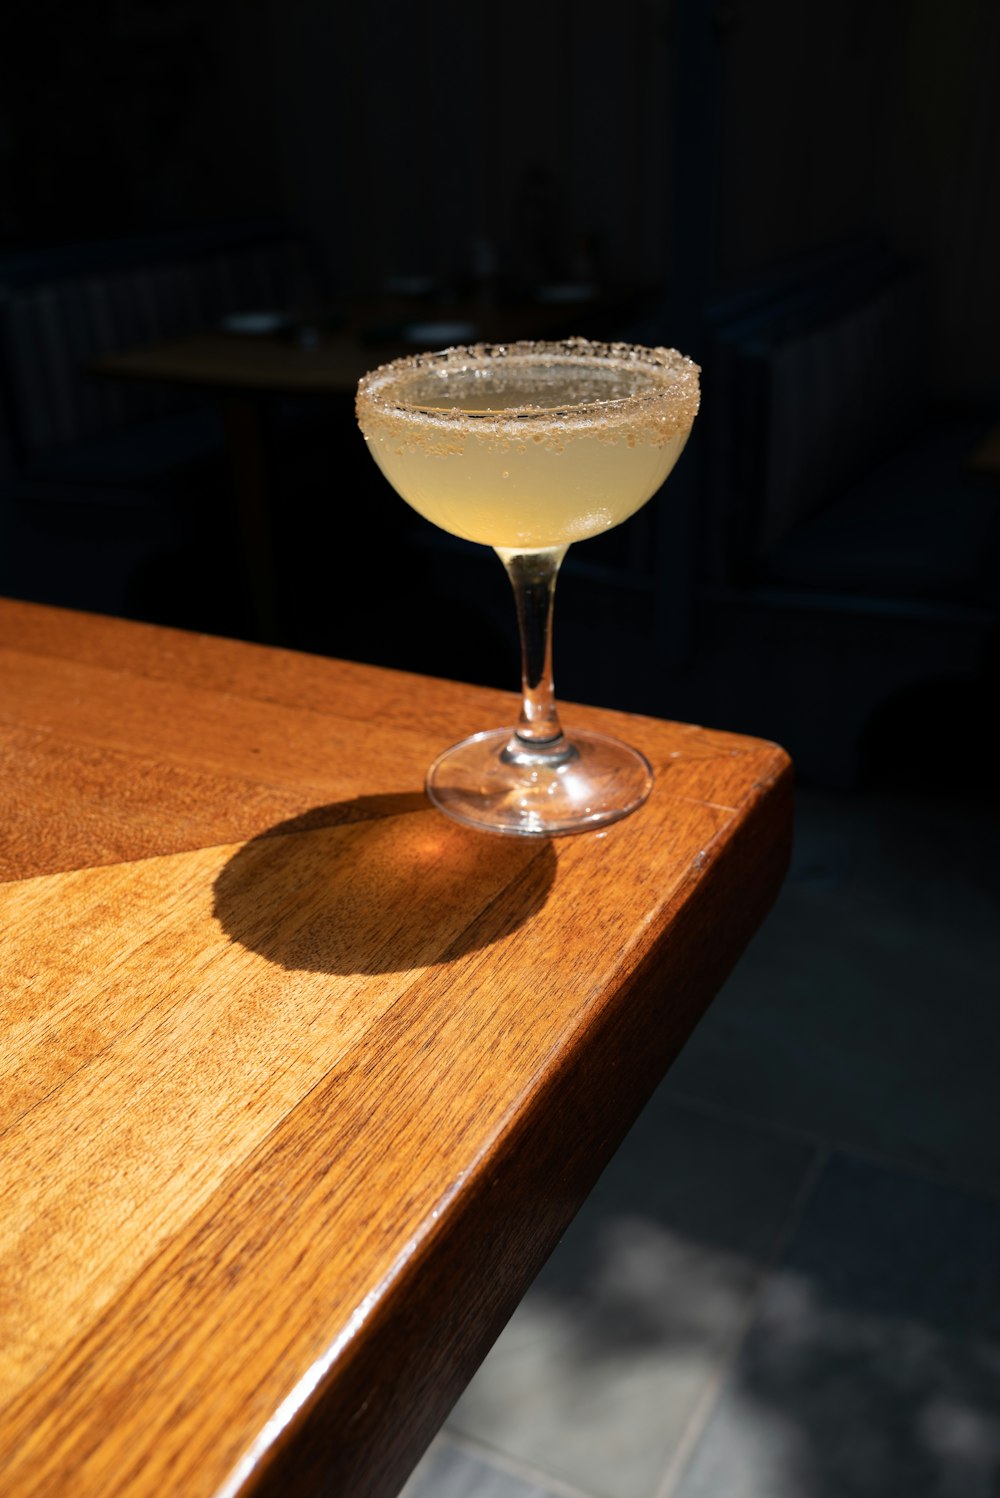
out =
column 378, row 884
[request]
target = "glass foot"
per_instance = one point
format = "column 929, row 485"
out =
column 500, row 783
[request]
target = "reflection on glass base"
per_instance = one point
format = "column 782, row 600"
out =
column 500, row 783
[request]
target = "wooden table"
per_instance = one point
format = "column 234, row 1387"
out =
column 268, row 365
column 331, row 360
column 302, row 1082
column 241, row 373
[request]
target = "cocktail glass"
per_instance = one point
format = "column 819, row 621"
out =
column 528, row 447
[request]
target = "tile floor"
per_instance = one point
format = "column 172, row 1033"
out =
column 787, row 1283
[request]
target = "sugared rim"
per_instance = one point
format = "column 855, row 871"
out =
column 673, row 401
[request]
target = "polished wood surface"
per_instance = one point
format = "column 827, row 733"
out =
column 301, row 1081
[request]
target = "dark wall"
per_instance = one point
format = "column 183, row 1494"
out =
column 437, row 139
column 856, row 118
column 124, row 117
column 416, row 134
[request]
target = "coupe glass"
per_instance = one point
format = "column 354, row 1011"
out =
column 527, row 447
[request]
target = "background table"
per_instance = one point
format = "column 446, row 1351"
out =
column 301, row 1081
column 241, row 373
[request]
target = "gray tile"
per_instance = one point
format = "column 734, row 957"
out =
column 866, row 1011
column 595, row 1376
column 872, row 1369
column 447, row 1472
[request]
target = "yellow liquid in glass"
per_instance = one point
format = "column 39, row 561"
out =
column 508, row 458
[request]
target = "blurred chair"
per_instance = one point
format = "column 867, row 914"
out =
column 840, row 532
column 100, row 479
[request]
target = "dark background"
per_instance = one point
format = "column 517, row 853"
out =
column 804, row 198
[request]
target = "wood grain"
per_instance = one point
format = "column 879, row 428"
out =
column 301, row 1081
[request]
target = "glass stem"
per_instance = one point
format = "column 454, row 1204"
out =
column 539, row 737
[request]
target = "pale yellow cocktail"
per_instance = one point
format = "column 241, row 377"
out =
column 528, row 447
column 552, row 452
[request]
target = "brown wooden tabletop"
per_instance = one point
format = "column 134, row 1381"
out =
column 301, row 1081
